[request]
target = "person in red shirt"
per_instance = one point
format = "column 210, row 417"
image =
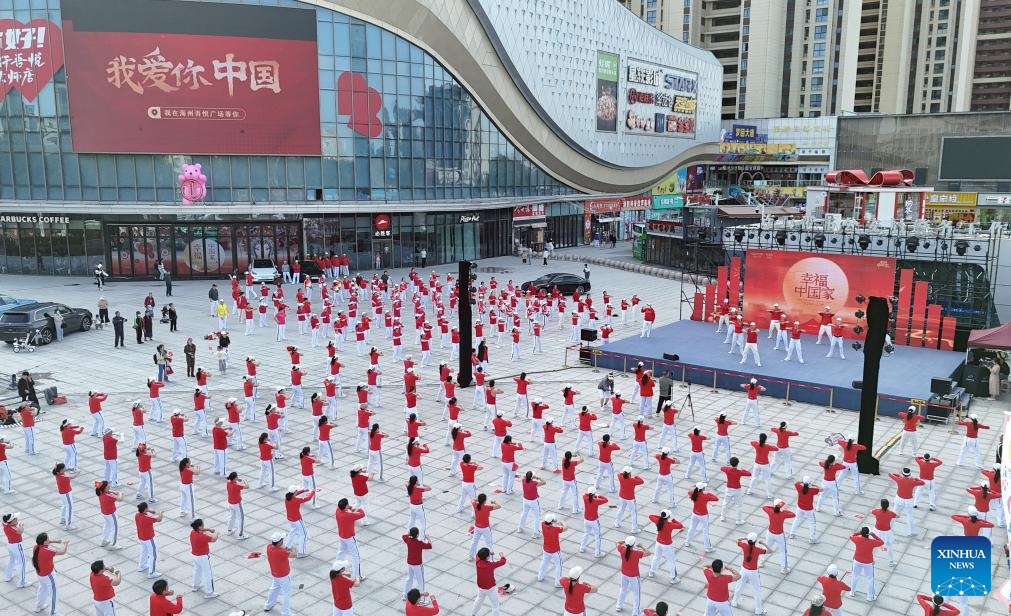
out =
column 43, row 554
column 348, row 545
column 467, row 490
column 500, row 428
column 95, row 400
column 575, row 592
column 293, row 500
column 550, row 452
column 782, row 458
column 732, row 489
column 905, row 484
column 236, row 515
column 617, row 414
column 697, row 457
column 487, row 588
column 415, row 496
column 68, row 432
column 982, row 494
column 145, row 482
column 805, row 508
column 666, row 527
column 646, row 387
column 718, row 579
column 187, row 499
column 5, row 470
column 626, row 498
column 648, row 317
column 482, row 522
column 851, row 449
column 993, row 476
column 761, row 467
column 935, row 605
column 883, row 518
column 200, row 540
column 551, row 530
column 751, row 345
column 341, row 583
column 722, row 441
column 753, row 550
column 825, row 324
column 219, row 443
column 700, row 514
column 639, row 428
column 569, row 485
column 865, row 543
column 14, row 533
column 665, row 478
column 415, row 561
column 910, row 418
column 278, row 562
column 829, row 483
column 835, row 339
column 376, row 450
column 103, row 582
column 159, row 601
column 972, row 524
column 833, row 586
column 630, row 554
column 928, row 464
column 27, row 415
column 972, row 427
column 752, row 389
column 774, row 535
column 107, row 500
column 267, row 451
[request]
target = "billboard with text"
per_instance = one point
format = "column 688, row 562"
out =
column 177, row 77
column 803, row 283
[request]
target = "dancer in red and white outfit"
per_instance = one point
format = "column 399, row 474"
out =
column 805, row 509
column 575, row 592
column 732, row 489
column 905, row 484
column 783, row 436
column 482, row 522
column 825, row 326
column 718, row 579
column 850, row 451
column 829, row 483
column 700, row 515
column 795, row 344
column 752, row 388
column 752, row 549
column 664, row 478
column 722, row 436
column 144, row 520
column 551, row 532
column 666, row 526
column 910, row 418
column 836, row 340
column 864, row 544
column 832, row 587
column 761, row 468
column 774, row 535
column 928, row 464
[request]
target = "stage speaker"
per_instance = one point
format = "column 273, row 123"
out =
column 587, row 334
column 672, row 356
column 976, row 380
column 465, row 323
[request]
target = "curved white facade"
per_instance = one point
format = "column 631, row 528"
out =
column 552, row 46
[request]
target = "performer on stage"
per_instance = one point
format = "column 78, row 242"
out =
column 795, row 343
column 837, row 338
column 825, row 328
column 774, row 321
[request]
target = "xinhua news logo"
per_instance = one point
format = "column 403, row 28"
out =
column 960, row 566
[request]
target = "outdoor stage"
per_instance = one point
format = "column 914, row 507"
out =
column 905, row 374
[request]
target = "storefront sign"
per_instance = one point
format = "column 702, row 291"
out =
column 745, row 133
column 470, row 218
column 610, row 206
column 30, row 54
column 751, row 152
column 245, row 81
column 382, row 227
column 660, row 101
column 35, row 219
column 668, row 202
column 607, row 91
column 993, row 199
column 951, row 199
column 535, row 210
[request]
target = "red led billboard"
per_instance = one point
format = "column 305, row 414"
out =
column 191, row 78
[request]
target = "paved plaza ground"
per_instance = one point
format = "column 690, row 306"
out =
column 87, row 361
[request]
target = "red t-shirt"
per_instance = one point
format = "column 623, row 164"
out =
column 569, row 472
column 551, row 533
column 883, row 519
column 415, row 549
column 346, row 522
column 200, row 543
column 606, row 450
column 591, row 505
column 341, row 588
column 467, row 470
column 783, row 437
column 107, row 503
column 234, row 489
column 630, row 565
column 696, row 440
column 927, row 467
column 278, row 560
column 486, row 572
column 663, row 536
column 101, row 587
column 700, row 505
column 722, row 427
column 762, row 452
column 482, row 515
column 734, row 476
column 777, row 519
column 751, row 554
column 805, row 502
column 626, row 486
column 575, row 601
column 863, row 550
column 832, row 588
column 62, row 484
column 717, row 586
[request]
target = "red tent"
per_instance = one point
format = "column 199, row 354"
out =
column 993, row 338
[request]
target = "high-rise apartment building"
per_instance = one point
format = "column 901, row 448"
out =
column 809, row 58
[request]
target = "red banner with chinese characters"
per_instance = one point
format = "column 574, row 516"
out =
column 803, row 283
column 30, row 54
column 174, row 77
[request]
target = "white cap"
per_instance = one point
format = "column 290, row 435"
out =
column 984, row 483
column 538, row 400
column 665, row 513
column 456, row 424
column 218, row 421
column 550, row 420
column 778, row 502
column 232, row 400
column 996, row 466
column 617, row 392
column 549, row 517
column 338, row 565
column 294, row 487
column 498, row 413
column 973, row 416
column 575, row 572
column 752, row 323
column 630, row 540
column 832, row 570
column 754, row 381
column 278, row 536
column 13, row 515
column 136, row 403
column 591, row 490
column 665, row 450
column 972, row 510
column 627, row 469
column 806, row 479
column 107, row 431
column 701, row 485
column 752, row 536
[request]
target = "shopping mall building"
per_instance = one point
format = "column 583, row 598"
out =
column 464, row 128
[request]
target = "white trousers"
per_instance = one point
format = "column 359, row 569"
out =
column 731, row 498
column 630, row 590
column 591, row 530
column 749, row 577
column 481, row 535
column 664, row 483
column 761, row 471
column 751, row 348
column 17, row 561
column 836, row 341
column 202, row 573
column 782, row 458
column 489, row 594
column 627, row 506
column 665, row 552
column 718, row 608
column 721, row 443
column 546, row 560
column 863, row 570
column 349, row 548
column 148, row 557
column 415, row 578
column 805, row 517
column 697, row 522
column 928, row 485
column 697, row 458
column 751, row 406
column 280, row 590
column 794, row 346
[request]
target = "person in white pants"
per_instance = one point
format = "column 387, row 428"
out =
column 5, row 471
column 550, row 527
column 627, row 506
column 774, row 324
column 752, row 389
column 863, row 560
column 805, row 509
column 113, row 576
column 110, row 526
column 971, row 443
column 16, row 559
column 718, row 579
column 570, row 486
column 415, row 570
column 836, row 339
column 753, row 550
column 724, row 316
column 722, row 441
column 591, row 521
column 202, row 572
column 666, row 525
column 280, row 574
column 482, row 532
column 531, row 506
column 490, row 593
column 732, row 496
column 665, row 478
column 751, row 345
column 928, row 464
column 630, row 586
column 700, row 515
column 825, row 329
column 795, row 344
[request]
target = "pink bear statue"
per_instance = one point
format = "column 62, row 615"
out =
column 192, row 184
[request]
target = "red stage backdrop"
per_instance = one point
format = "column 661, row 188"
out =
column 191, row 78
column 803, row 283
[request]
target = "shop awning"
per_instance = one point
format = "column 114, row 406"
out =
column 536, row 223
column 608, row 219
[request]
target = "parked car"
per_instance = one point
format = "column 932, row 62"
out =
column 8, row 301
column 566, row 283
column 23, row 320
column 263, row 270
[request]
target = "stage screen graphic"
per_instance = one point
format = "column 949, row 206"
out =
column 191, row 78
column 803, row 283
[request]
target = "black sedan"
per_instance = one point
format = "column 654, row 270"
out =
column 566, row 283
column 24, row 320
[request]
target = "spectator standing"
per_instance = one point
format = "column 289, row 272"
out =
column 213, row 296
column 190, row 351
column 118, row 324
column 103, row 310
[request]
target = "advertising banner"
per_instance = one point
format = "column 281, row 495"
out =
column 659, row 101
column 804, row 283
column 745, row 133
column 607, row 91
column 171, row 76
column 685, row 180
column 747, row 152
column 30, row 54
column 534, row 210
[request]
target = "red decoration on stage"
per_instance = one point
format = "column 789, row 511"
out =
column 857, row 177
